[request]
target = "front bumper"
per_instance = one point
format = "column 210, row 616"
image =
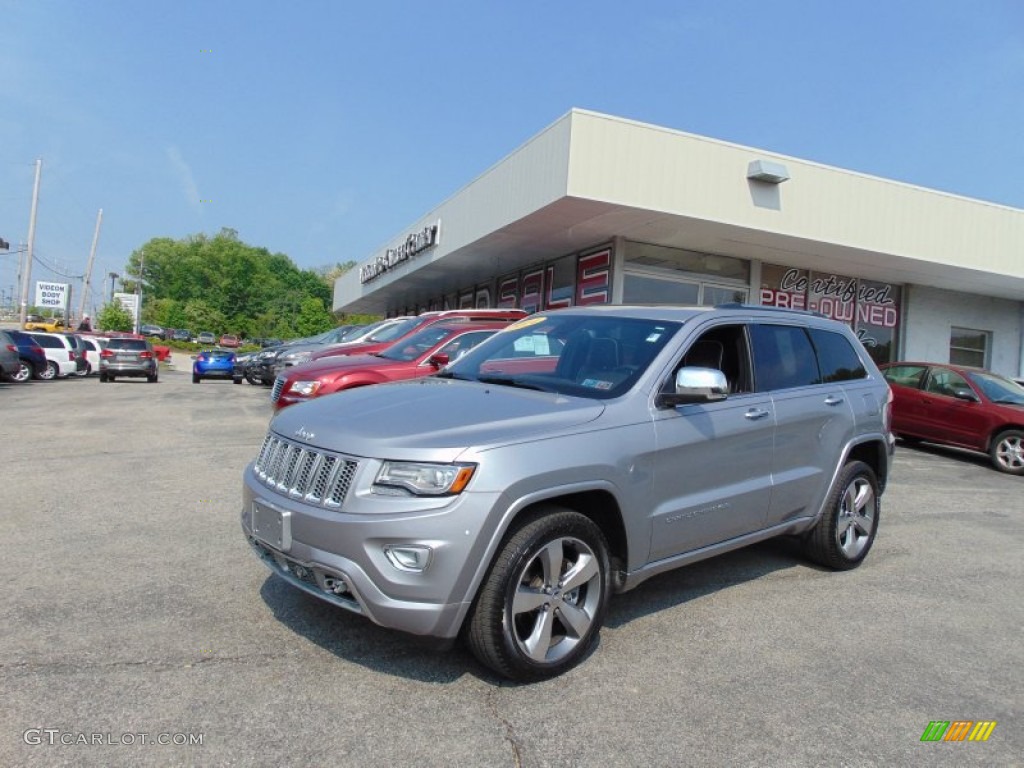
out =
column 340, row 557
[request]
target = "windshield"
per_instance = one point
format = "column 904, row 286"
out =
column 394, row 330
column 417, row 344
column 997, row 389
column 595, row 356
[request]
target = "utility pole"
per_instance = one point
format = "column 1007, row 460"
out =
column 88, row 269
column 113, row 276
column 138, row 290
column 26, row 273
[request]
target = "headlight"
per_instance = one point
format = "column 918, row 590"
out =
column 422, row 479
column 304, row 388
column 297, row 357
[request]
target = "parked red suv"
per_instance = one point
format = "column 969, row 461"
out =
column 960, row 406
column 419, row 354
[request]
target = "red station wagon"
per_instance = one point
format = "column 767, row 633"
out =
column 959, row 406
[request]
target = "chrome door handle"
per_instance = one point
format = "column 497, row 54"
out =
column 756, row 413
column 833, row 400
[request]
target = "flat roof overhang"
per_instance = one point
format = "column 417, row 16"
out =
column 589, row 178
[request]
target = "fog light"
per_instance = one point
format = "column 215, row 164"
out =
column 407, row 558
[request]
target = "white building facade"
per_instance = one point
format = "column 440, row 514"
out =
column 599, row 209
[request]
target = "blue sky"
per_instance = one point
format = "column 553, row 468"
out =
column 323, row 129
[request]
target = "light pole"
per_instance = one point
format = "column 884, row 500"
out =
column 113, row 276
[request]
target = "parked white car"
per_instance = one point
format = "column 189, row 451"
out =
column 60, row 354
column 93, row 346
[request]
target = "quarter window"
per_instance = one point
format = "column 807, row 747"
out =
column 836, row 357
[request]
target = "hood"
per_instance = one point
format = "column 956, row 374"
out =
column 312, row 369
column 431, row 419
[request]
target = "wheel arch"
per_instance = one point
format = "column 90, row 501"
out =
column 597, row 503
column 998, row 430
column 874, row 454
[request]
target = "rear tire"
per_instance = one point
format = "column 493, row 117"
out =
column 237, row 380
column 51, row 371
column 1007, row 452
column 843, row 536
column 24, row 372
column 196, row 378
column 541, row 606
column 152, row 379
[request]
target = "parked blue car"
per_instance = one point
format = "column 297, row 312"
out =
column 215, row 364
column 33, row 359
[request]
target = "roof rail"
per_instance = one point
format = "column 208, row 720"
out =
column 760, row 307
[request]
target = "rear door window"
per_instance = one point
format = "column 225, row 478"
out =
column 783, row 357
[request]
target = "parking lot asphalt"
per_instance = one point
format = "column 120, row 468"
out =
column 133, row 611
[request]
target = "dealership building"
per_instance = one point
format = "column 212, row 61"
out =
column 598, row 209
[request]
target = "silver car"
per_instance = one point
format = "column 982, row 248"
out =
column 128, row 357
column 574, row 455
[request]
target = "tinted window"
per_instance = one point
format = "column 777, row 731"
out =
column 49, row 342
column 837, row 358
column 905, row 375
column 128, row 344
column 783, row 357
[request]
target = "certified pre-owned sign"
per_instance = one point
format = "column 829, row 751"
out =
column 52, row 295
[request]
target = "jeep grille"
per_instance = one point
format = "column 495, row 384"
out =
column 304, row 473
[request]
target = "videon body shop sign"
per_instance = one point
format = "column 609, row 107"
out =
column 52, row 295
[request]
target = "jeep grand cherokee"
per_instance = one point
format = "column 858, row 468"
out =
column 573, row 455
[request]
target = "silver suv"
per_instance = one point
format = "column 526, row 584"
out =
column 573, row 455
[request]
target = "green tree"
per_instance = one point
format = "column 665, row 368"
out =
column 114, row 317
column 201, row 316
column 239, row 288
column 313, row 318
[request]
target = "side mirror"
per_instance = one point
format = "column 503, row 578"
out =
column 439, row 360
column 965, row 394
column 696, row 385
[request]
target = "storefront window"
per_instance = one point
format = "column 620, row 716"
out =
column 872, row 309
column 679, row 260
column 719, row 294
column 968, row 347
column 642, row 289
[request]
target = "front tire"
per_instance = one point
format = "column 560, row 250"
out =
column 1007, row 452
column 541, row 606
column 196, row 378
column 843, row 536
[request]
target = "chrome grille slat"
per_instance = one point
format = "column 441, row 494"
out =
column 275, row 393
column 301, row 472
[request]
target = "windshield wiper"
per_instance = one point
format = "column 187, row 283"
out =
column 512, row 382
